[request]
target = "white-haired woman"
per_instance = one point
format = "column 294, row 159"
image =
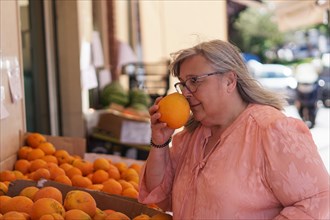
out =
column 239, row 157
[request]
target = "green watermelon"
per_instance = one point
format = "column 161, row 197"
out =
column 114, row 93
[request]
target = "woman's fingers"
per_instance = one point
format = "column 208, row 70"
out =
column 154, row 116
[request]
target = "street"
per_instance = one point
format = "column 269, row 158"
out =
column 320, row 132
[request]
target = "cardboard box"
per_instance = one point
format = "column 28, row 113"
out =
column 126, row 128
column 74, row 145
column 126, row 205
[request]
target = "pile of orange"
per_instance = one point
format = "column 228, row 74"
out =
column 40, row 159
column 48, row 203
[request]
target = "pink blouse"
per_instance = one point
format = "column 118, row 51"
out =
column 265, row 166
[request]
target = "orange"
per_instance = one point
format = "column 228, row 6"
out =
column 108, row 211
column 34, row 139
column 13, row 215
column 3, row 201
column 129, row 174
column 99, row 215
column 112, row 186
column 51, row 165
column 122, row 166
column 46, row 206
column 41, row 173
column 47, row 217
column 136, row 167
column 17, row 203
column 101, row 164
column 34, row 154
column 19, row 175
column 65, row 166
column 53, row 216
column 135, row 185
column 63, row 156
column 114, row 172
column 63, row 179
column 7, row 183
column 116, row 216
column 3, row 189
column 47, row 147
column 22, row 165
column 73, row 171
column 81, row 181
column 86, row 167
column 174, row 109
column 76, row 214
column 49, row 192
column 57, row 216
column 90, row 176
column 97, row 187
column 130, row 192
column 50, row 159
column 100, row 176
column 142, row 217
column 23, row 152
column 77, row 199
column 37, row 164
column 7, row 175
column 125, row 184
column 30, row 175
column 29, row 192
column 133, row 179
column 55, row 172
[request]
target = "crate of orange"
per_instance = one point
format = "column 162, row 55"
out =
column 44, row 199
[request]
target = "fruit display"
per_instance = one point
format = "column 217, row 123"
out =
column 39, row 159
column 139, row 99
column 134, row 102
column 53, row 205
column 174, row 109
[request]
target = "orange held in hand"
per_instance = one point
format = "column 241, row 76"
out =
column 174, row 109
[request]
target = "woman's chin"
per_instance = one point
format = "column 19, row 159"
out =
column 197, row 116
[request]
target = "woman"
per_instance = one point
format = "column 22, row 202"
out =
column 239, row 157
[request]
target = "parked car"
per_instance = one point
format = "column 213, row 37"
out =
column 278, row 78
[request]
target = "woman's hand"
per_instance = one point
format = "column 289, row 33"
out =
column 160, row 133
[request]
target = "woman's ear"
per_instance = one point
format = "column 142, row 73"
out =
column 231, row 80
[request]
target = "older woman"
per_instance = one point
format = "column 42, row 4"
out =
column 239, row 157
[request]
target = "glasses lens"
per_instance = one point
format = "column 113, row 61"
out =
column 191, row 85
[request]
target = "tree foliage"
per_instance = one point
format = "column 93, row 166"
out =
column 256, row 32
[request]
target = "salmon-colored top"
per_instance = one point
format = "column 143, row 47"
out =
column 265, row 166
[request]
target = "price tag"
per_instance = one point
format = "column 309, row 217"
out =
column 15, row 84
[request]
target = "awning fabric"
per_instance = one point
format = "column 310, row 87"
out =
column 292, row 15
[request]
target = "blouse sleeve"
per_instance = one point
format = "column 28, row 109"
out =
column 164, row 190
column 295, row 171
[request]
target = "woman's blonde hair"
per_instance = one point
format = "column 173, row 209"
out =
column 225, row 57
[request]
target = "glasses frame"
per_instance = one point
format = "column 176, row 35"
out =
column 184, row 83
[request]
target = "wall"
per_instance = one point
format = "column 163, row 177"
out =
column 74, row 23
column 12, row 127
column 167, row 26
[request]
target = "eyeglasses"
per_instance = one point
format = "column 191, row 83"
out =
column 192, row 83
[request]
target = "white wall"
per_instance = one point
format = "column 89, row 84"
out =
column 167, row 26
